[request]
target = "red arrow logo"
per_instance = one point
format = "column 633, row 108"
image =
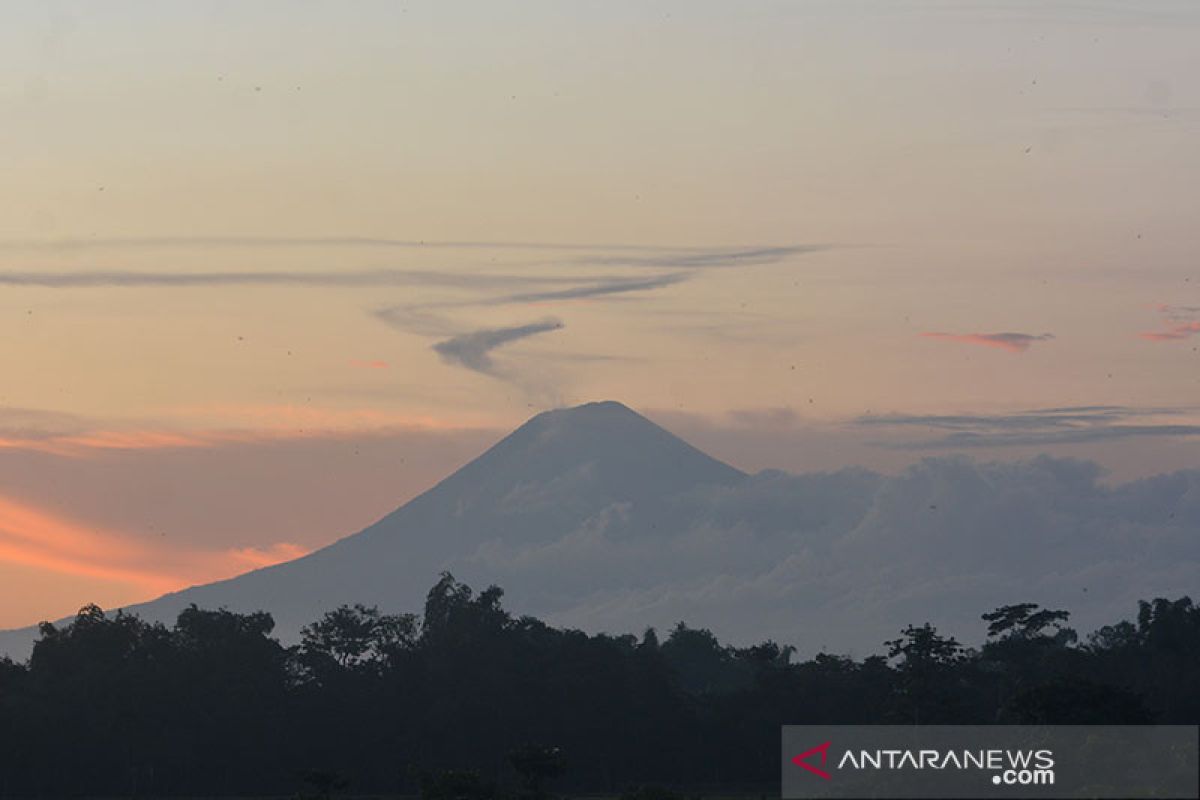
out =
column 823, row 749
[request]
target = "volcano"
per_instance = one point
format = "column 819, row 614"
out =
column 562, row 471
column 596, row 518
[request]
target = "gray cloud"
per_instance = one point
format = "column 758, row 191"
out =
column 852, row 556
column 150, row 242
column 580, row 286
column 473, row 350
column 652, row 255
column 415, row 319
column 1180, row 313
column 345, row 279
column 1067, row 425
column 710, row 258
column 601, row 289
column 970, row 439
column 1024, row 420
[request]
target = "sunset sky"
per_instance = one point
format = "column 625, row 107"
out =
column 269, row 269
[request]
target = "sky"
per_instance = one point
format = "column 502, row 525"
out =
column 269, row 270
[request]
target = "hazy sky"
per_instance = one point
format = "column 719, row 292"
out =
column 268, row 269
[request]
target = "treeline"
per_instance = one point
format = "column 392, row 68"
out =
column 468, row 701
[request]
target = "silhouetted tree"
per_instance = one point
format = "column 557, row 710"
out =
column 457, row 784
column 1078, row 701
column 701, row 663
column 445, row 704
column 323, row 785
column 536, row 765
column 926, row 672
column 1029, row 622
column 355, row 638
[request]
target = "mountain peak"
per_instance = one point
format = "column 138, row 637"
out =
column 606, row 445
column 608, row 415
column 597, row 407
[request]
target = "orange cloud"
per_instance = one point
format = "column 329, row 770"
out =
column 369, row 364
column 1174, row 333
column 294, row 419
column 256, row 557
column 1012, row 342
column 38, row 538
column 35, row 538
column 247, row 424
column 78, row 444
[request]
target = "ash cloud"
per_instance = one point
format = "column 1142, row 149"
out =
column 473, row 350
column 607, row 288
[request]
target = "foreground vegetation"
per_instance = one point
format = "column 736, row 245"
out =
column 467, row 701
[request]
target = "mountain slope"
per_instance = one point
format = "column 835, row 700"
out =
column 549, row 477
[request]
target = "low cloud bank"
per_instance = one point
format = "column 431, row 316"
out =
column 840, row 561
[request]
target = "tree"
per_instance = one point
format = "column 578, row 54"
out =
column 1029, row 622
column 701, row 662
column 215, row 706
column 355, row 637
column 1170, row 626
column 926, row 661
column 454, row 614
column 456, row 784
column 323, row 784
column 1078, row 701
column 536, row 765
column 1121, row 636
column 923, row 649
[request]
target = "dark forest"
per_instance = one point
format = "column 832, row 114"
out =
column 468, row 701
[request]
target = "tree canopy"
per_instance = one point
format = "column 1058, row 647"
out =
column 467, row 700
